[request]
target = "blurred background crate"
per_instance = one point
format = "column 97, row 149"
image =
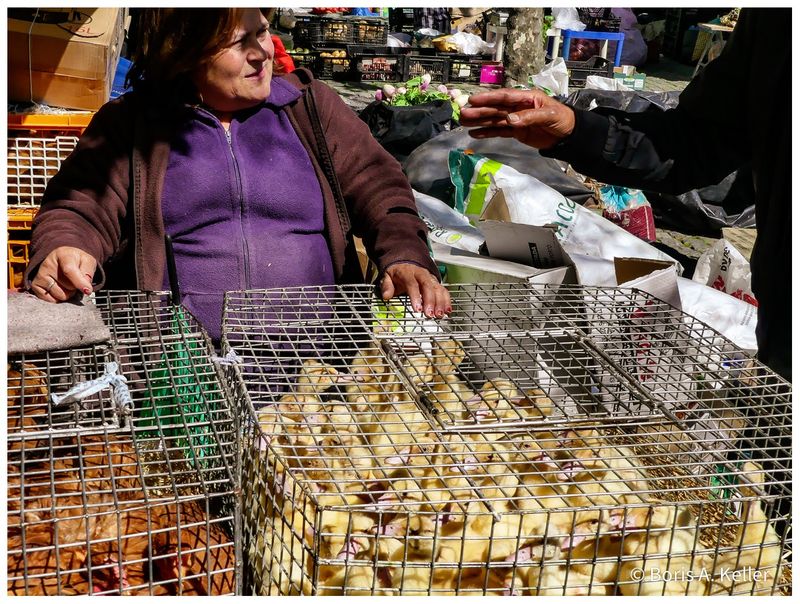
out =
column 416, row 65
column 370, row 30
column 104, row 499
column 377, row 63
column 20, row 221
column 540, row 441
column 332, row 64
column 305, row 59
column 32, row 160
column 311, row 30
column 464, row 68
column 599, row 19
column 580, row 70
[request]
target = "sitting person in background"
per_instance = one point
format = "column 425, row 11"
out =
column 260, row 182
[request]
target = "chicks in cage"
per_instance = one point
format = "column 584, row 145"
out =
column 363, row 496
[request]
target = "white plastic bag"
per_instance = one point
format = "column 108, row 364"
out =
column 567, row 18
column 733, row 318
column 469, row 44
column 723, row 267
column 553, row 79
column 447, row 226
column 529, row 201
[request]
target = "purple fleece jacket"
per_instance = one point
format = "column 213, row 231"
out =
column 237, row 222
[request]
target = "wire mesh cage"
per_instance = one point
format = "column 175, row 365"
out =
column 539, row 441
column 121, row 461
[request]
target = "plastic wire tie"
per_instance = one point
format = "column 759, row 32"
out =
column 111, row 378
column 229, row 359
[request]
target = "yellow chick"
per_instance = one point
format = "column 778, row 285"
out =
column 757, row 556
column 661, row 538
column 315, row 377
column 493, row 403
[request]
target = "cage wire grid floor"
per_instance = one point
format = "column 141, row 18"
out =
column 128, row 490
column 539, row 441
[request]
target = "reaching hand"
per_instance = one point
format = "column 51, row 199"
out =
column 530, row 116
column 64, row 271
column 424, row 290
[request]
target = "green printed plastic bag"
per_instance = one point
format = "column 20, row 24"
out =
column 471, row 175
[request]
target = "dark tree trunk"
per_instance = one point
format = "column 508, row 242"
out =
column 524, row 51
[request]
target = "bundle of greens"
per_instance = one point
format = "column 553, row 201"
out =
column 418, row 90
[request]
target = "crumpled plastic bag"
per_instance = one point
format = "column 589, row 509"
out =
column 553, row 79
column 723, row 268
column 629, row 209
column 529, row 201
column 567, row 18
column 618, row 199
column 446, row 225
column 469, row 44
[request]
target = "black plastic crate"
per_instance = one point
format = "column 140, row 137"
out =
column 437, row 67
column 464, row 68
column 387, row 67
column 328, row 67
column 599, row 19
column 312, row 30
column 355, row 50
column 304, row 59
column 580, row 70
column 370, row 30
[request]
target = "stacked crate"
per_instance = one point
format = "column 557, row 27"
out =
column 37, row 144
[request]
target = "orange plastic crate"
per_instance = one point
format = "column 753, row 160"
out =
column 46, row 123
column 20, row 221
column 37, row 144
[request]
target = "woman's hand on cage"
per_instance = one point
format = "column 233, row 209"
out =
column 62, row 273
column 424, row 291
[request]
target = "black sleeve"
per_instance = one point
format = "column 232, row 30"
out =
column 696, row 144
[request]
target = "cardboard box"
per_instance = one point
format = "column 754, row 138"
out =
column 515, row 253
column 628, row 76
column 465, row 267
column 64, row 57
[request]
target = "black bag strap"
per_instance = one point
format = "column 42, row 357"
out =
column 326, row 162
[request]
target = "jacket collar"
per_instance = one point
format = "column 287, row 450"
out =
column 282, row 93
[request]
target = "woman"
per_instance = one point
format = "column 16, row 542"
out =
column 211, row 150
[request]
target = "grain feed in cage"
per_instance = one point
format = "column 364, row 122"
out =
column 538, row 441
column 121, row 461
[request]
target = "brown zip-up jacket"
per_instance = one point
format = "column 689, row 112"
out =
column 106, row 198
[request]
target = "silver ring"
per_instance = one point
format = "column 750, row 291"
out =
column 49, row 287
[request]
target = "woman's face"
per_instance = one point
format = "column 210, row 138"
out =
column 239, row 76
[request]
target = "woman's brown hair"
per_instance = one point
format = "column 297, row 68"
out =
column 175, row 42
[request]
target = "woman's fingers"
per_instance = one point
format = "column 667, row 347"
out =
column 64, row 271
column 424, row 291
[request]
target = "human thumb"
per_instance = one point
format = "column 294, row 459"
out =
column 387, row 287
